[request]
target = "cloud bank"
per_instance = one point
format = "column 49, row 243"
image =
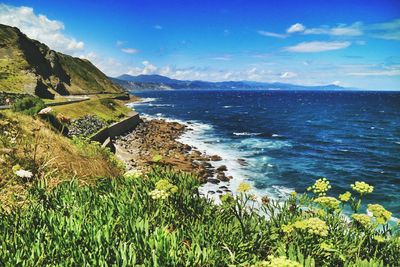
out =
column 39, row 27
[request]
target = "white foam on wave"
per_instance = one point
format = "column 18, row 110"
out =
column 161, row 105
column 142, row 101
column 256, row 143
column 201, row 137
column 246, row 134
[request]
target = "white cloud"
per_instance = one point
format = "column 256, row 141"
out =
column 341, row 30
column 392, row 72
column 222, row 58
column 272, row 34
column 39, row 27
column 316, row 46
column 148, row 68
column 158, row 27
column 130, row 50
column 119, row 43
column 387, row 30
column 298, row 27
column 288, row 75
column 109, row 66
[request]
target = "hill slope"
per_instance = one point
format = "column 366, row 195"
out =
column 28, row 66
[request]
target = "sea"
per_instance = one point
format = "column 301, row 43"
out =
column 288, row 139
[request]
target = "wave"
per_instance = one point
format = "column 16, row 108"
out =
column 257, row 144
column 142, row 101
column 246, row 134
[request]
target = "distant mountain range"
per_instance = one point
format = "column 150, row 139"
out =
column 156, row 82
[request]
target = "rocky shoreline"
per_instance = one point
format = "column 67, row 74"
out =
column 159, row 137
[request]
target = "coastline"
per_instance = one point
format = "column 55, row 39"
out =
column 166, row 138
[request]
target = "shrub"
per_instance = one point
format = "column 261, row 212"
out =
column 28, row 105
column 120, row 222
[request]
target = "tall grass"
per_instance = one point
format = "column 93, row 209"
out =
column 126, row 222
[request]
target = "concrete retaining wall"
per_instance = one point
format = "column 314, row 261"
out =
column 117, row 128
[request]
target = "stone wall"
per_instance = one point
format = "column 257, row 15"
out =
column 117, row 128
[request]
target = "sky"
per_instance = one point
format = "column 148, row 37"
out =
column 348, row 43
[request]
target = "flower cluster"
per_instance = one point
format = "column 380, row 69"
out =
column 132, row 174
column 281, row 261
column 18, row 171
column 380, row 213
column 320, row 187
column 362, row 188
column 244, row 187
column 362, row 219
column 329, row 202
column 287, row 228
column 345, row 196
column 159, row 194
column 379, row 238
column 165, row 185
column 163, row 189
column 313, row 226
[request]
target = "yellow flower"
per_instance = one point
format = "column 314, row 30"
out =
column 157, row 158
column 132, row 174
column 244, row 187
column 362, row 219
column 362, row 188
column 159, row 194
column 287, row 228
column 329, row 202
column 320, row 187
column 379, row 238
column 380, row 213
column 293, row 194
column 313, row 226
column 281, row 261
column 165, row 185
column 16, row 168
column 345, row 196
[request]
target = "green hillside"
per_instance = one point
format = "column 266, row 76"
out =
column 30, row 67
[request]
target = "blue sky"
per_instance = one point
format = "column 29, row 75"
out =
column 350, row 43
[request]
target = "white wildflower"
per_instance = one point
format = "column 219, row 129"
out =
column 24, row 174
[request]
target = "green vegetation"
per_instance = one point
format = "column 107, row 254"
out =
column 28, row 105
column 28, row 66
column 36, row 146
column 109, row 110
column 158, row 219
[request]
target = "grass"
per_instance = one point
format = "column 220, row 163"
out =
column 124, row 222
column 34, row 145
column 107, row 109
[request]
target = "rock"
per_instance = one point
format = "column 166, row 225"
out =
column 213, row 181
column 219, row 192
column 223, row 187
column 215, row 158
column 242, row 162
column 211, row 192
column 222, row 168
column 222, row 177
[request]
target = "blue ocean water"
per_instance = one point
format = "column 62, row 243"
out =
column 290, row 138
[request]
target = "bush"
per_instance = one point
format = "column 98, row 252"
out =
column 158, row 219
column 28, row 105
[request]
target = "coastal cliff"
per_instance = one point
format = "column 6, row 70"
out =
column 30, row 67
